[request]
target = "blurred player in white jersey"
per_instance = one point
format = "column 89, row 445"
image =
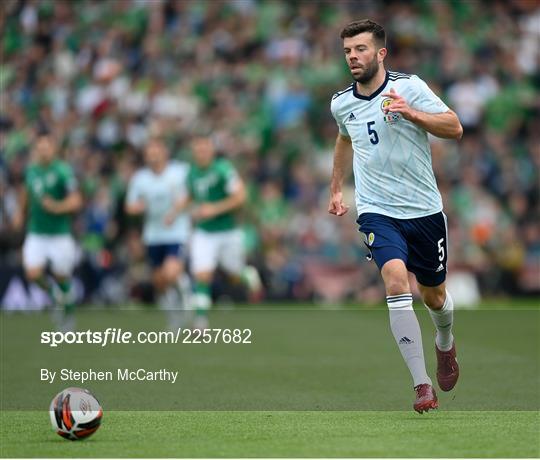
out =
column 152, row 191
column 384, row 119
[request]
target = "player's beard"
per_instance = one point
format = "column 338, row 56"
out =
column 369, row 72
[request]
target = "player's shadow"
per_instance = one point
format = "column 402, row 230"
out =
column 79, row 442
column 447, row 415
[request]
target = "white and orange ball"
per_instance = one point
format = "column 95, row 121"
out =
column 75, row 413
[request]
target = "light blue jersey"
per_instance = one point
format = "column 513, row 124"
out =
column 159, row 191
column 392, row 158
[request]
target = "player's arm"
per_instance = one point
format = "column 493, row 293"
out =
column 445, row 125
column 343, row 154
column 71, row 203
column 135, row 203
column 178, row 206
column 20, row 213
column 134, row 208
column 236, row 198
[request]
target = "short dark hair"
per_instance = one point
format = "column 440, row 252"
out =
column 365, row 25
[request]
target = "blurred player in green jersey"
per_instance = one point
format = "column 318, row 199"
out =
column 50, row 197
column 216, row 192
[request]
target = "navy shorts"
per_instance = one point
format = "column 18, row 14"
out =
column 421, row 243
column 157, row 253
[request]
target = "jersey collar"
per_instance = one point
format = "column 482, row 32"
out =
column 372, row 95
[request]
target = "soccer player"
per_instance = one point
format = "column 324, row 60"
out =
column 217, row 193
column 384, row 119
column 51, row 196
column 151, row 192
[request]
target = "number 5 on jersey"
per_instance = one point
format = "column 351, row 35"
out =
column 373, row 137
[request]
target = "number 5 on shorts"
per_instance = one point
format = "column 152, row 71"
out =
column 440, row 244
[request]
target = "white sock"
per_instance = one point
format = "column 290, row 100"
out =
column 176, row 311
column 183, row 287
column 168, row 300
column 406, row 330
column 201, row 301
column 443, row 320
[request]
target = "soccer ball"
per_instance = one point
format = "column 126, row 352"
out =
column 75, row 413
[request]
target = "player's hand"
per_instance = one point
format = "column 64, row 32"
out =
column 398, row 105
column 169, row 218
column 336, row 205
column 50, row 205
column 17, row 222
column 204, row 211
column 135, row 208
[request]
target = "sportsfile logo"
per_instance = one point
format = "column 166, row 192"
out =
column 110, row 335
column 114, row 335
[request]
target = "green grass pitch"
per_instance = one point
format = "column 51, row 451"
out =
column 281, row 434
column 315, row 384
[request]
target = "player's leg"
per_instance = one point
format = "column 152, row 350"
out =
column 34, row 261
column 403, row 321
column 232, row 258
column 62, row 254
column 441, row 309
column 427, row 260
column 177, row 286
column 202, row 298
column 165, row 297
column 156, row 255
column 204, row 252
column 389, row 250
column 172, row 271
column 175, row 275
column 440, row 305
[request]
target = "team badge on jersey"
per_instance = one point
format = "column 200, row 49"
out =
column 371, row 239
column 389, row 117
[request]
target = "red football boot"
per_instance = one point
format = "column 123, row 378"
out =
column 426, row 398
column 447, row 368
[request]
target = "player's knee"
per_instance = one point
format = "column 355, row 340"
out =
column 434, row 298
column 397, row 286
column 203, row 277
column 158, row 279
column 394, row 274
column 395, row 278
column 60, row 277
column 234, row 277
column 171, row 271
column 33, row 274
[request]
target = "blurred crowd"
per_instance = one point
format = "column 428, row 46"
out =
column 261, row 74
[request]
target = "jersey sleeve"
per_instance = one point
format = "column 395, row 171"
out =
column 333, row 109
column 425, row 99
column 134, row 191
column 230, row 175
